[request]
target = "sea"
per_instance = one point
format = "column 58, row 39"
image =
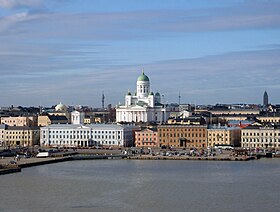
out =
column 144, row 185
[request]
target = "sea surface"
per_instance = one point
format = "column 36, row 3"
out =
column 130, row 185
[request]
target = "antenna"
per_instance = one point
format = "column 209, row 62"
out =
column 103, row 100
column 179, row 98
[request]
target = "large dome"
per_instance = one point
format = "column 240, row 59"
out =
column 60, row 107
column 143, row 77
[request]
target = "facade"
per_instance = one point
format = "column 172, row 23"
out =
column 19, row 135
column 260, row 137
column 20, row 121
column 77, row 117
column 146, row 138
column 144, row 106
column 71, row 135
column 223, row 135
column 188, row 136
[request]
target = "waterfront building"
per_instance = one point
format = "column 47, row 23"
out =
column 189, row 136
column 223, row 135
column 267, row 136
column 19, row 135
column 265, row 99
column 144, row 106
column 20, row 121
column 77, row 135
column 146, row 138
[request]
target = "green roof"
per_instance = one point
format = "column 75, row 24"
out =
column 143, row 77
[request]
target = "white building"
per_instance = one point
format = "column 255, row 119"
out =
column 144, row 106
column 260, row 137
column 77, row 117
column 70, row 135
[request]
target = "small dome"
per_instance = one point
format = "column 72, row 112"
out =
column 157, row 94
column 143, row 77
column 129, row 94
column 151, row 93
column 60, row 107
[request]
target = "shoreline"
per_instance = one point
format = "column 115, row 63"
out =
column 30, row 162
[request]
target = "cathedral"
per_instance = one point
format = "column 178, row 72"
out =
column 144, row 106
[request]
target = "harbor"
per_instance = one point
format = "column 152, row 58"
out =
column 15, row 164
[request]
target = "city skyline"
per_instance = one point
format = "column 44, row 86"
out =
column 72, row 51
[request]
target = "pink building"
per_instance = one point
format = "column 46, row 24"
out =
column 146, row 138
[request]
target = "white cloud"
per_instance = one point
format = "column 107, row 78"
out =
column 11, row 4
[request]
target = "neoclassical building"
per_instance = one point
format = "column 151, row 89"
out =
column 144, row 106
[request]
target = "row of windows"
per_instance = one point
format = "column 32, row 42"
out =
column 178, row 141
column 83, row 136
column 182, row 135
column 262, row 134
column 260, row 140
column 83, row 132
column 19, row 132
column 192, row 129
column 80, row 142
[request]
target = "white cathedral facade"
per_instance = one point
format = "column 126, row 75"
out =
column 144, row 106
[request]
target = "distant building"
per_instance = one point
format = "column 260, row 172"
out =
column 267, row 136
column 235, row 111
column 265, row 99
column 70, row 135
column 189, row 136
column 193, row 120
column 77, row 117
column 20, row 121
column 46, row 120
column 223, row 135
column 146, row 138
column 144, row 106
column 269, row 118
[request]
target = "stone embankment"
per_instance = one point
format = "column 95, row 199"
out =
column 145, row 157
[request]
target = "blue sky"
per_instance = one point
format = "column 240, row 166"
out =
column 73, row 50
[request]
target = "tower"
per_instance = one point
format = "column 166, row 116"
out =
column 143, row 86
column 265, row 99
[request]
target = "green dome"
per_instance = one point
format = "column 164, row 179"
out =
column 157, row 94
column 143, row 77
column 151, row 93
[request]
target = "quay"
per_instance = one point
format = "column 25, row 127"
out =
column 10, row 165
column 144, row 157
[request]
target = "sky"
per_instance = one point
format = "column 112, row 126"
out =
column 72, row 51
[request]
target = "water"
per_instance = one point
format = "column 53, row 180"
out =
column 122, row 185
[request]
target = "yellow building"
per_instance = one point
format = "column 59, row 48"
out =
column 47, row 120
column 30, row 121
column 223, row 135
column 19, row 136
column 187, row 136
column 269, row 119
